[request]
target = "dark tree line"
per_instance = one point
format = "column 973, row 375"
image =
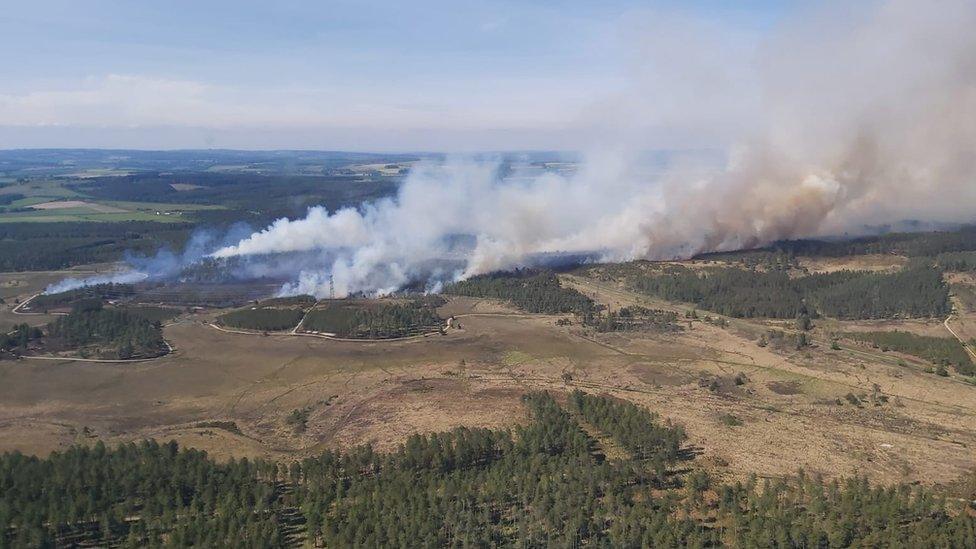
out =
column 19, row 337
column 137, row 495
column 633, row 427
column 530, row 290
column 941, row 351
column 250, row 198
column 957, row 261
column 538, row 485
column 110, row 332
column 97, row 292
column 9, row 198
column 916, row 291
column 267, row 196
column 374, row 320
column 917, row 244
column 51, row 246
column 728, row 291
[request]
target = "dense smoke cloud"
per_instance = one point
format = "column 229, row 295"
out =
column 463, row 213
column 165, row 264
column 868, row 115
column 847, row 116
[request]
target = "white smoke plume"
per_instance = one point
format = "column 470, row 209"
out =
column 120, row 277
column 164, row 264
column 868, row 114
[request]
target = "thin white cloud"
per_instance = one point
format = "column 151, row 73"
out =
column 142, row 101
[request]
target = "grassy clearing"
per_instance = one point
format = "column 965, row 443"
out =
column 57, row 216
column 159, row 206
column 267, row 319
column 151, row 313
column 39, row 192
column 51, row 190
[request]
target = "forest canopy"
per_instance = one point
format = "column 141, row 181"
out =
column 530, row 290
column 916, row 291
column 944, row 351
column 95, row 330
column 541, row 484
column 375, row 320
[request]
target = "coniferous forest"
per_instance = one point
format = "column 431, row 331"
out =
column 910, row 244
column 530, row 290
column 19, row 338
column 354, row 319
column 105, row 332
column 68, row 298
column 941, row 351
column 916, row 291
column 543, row 484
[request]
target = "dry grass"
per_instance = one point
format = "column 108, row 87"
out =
column 913, row 426
column 870, row 262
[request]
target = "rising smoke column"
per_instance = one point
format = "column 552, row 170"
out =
column 868, row 115
column 164, row 264
column 382, row 246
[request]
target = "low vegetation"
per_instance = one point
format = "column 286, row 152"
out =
column 530, row 290
column 270, row 319
column 636, row 318
column 941, row 351
column 298, row 420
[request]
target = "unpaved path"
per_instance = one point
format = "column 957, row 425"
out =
column 961, row 340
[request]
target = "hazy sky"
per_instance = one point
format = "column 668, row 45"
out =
column 374, row 75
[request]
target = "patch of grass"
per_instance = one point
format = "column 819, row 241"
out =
column 59, row 216
column 515, row 358
column 159, row 206
column 265, row 319
column 217, row 424
column 730, row 420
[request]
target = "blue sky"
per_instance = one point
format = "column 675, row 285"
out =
column 460, row 75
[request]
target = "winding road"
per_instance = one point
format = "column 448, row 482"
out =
column 961, row 340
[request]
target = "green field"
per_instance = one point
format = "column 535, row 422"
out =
column 56, row 216
column 158, row 206
column 40, row 192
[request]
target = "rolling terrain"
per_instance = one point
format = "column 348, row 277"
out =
column 836, row 406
